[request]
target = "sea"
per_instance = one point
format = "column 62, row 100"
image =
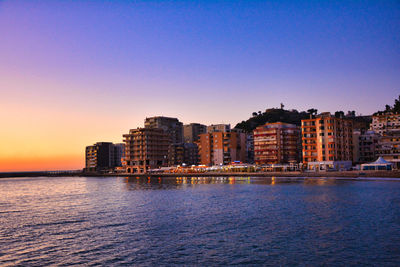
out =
column 199, row 221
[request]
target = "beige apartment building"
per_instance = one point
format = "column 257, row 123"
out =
column 388, row 147
column 145, row 149
column 384, row 123
column 218, row 128
column 192, row 131
column 172, row 126
column 327, row 142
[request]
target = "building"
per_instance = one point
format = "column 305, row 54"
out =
column 250, row 147
column 103, row 156
column 176, row 154
column 183, row 154
column 172, row 126
column 221, row 148
column 218, row 128
column 191, row 154
column 388, row 147
column 327, row 140
column 119, row 154
column 364, row 145
column 192, row 131
column 146, row 148
column 387, row 125
column 276, row 143
column 384, row 123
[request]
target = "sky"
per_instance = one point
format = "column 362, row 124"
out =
column 73, row 73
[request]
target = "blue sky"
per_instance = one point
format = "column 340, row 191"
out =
column 98, row 68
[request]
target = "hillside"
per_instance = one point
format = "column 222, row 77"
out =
column 293, row 116
column 272, row 115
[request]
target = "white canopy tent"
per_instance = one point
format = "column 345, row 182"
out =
column 379, row 164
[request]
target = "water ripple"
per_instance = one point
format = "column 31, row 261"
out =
column 201, row 221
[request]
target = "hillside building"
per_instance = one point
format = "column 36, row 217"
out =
column 386, row 123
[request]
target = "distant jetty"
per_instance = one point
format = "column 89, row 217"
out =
column 41, row 174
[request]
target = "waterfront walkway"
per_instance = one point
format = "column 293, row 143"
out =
column 350, row 174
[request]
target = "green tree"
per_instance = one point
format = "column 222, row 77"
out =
column 339, row 114
column 312, row 111
column 396, row 107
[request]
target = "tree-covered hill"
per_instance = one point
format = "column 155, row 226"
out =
column 395, row 108
column 293, row 116
column 273, row 115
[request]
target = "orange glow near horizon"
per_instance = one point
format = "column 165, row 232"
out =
column 43, row 163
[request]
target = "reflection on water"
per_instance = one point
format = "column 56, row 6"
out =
column 201, row 221
column 151, row 182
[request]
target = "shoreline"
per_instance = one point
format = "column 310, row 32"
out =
column 346, row 174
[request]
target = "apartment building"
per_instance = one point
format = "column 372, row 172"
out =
column 192, row 131
column 250, row 147
column 276, row 143
column 146, row 148
column 364, row 146
column 119, row 154
column 218, row 128
column 103, row 156
column 191, row 154
column 327, row 142
column 384, row 123
column 388, row 147
column 183, row 154
column 222, row 148
column 172, row 126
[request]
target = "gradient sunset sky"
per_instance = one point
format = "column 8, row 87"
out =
column 73, row 73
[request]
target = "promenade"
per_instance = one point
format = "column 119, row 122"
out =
column 349, row 174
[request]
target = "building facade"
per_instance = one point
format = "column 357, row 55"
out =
column 218, row 128
column 146, row 148
column 103, row 156
column 119, row 154
column 172, row 126
column 221, row 148
column 326, row 138
column 176, row 154
column 385, row 123
column 191, row 154
column 276, row 143
column 364, row 146
column 250, row 147
column 192, row 131
column 388, row 147
column 183, row 154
